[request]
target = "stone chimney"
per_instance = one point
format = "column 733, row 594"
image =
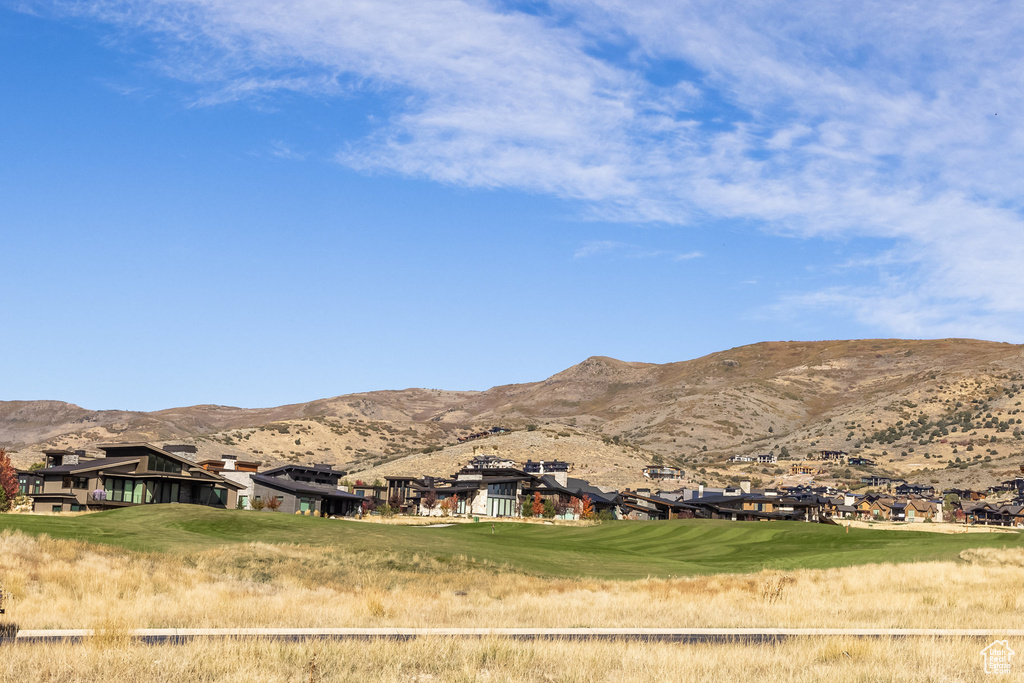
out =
column 745, row 486
column 848, row 500
column 229, row 461
column 700, row 491
column 562, row 478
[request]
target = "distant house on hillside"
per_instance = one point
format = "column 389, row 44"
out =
column 966, row 494
column 546, row 466
column 490, row 462
column 906, row 489
column 830, row 455
column 875, row 480
column 663, row 473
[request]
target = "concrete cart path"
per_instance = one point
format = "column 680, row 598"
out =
column 173, row 635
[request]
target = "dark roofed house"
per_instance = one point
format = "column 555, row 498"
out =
column 306, row 489
column 546, row 466
column 643, row 505
column 495, row 492
column 877, row 480
column 130, row 474
column 906, row 489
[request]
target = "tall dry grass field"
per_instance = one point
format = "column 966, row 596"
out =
column 69, row 584
column 438, row 659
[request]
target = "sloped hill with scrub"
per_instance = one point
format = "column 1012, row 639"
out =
column 945, row 411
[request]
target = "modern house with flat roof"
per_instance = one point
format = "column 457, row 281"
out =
column 306, row 488
column 130, row 474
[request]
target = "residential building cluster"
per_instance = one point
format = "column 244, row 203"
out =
column 490, row 486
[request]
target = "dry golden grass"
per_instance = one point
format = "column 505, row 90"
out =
column 436, row 659
column 69, row 584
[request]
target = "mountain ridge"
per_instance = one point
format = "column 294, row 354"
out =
column 764, row 396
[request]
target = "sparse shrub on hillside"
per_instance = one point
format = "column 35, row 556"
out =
column 531, row 428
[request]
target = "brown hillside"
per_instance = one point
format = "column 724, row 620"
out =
column 801, row 396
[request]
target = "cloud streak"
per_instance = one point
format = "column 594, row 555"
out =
column 872, row 119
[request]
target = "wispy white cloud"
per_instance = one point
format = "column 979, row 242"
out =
column 688, row 256
column 600, row 247
column 282, row 151
column 870, row 119
column 630, row 251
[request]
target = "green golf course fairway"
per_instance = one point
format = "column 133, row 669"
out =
column 612, row 550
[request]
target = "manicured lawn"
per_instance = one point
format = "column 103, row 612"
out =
column 614, row 550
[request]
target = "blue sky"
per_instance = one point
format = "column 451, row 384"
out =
column 255, row 203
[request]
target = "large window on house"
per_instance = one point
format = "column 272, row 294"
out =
column 306, row 504
column 501, row 500
column 160, row 463
column 22, row 486
column 161, row 491
column 208, row 495
column 123, row 490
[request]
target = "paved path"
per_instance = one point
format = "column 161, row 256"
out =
column 174, row 635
